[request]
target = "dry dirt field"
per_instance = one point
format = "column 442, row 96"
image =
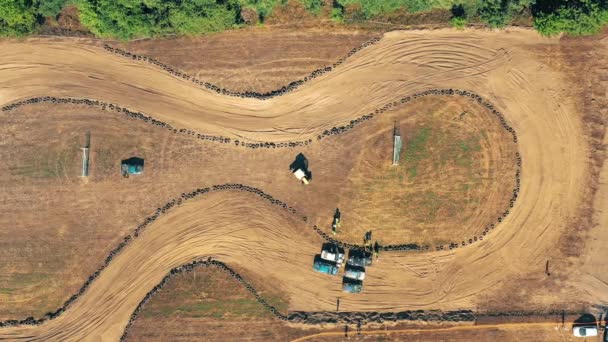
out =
column 208, row 304
column 76, row 220
column 550, row 332
column 259, row 60
column 56, row 228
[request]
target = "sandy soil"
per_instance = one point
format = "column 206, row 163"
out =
column 108, row 206
column 248, row 60
column 533, row 332
column 244, row 231
column 208, row 304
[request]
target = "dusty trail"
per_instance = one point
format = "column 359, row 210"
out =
column 237, row 229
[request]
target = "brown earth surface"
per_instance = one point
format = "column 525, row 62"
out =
column 510, row 69
column 259, row 60
column 208, row 304
column 549, row 332
column 82, row 220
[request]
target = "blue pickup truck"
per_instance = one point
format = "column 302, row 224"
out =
column 324, row 266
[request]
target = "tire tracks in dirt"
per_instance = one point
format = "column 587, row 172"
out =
column 324, row 103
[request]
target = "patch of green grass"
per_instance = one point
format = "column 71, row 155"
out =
column 15, row 282
column 431, row 204
column 5, row 290
column 46, row 163
column 458, row 23
column 210, row 294
column 416, row 150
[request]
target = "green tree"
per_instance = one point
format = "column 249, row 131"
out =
column 262, row 7
column 582, row 17
column 337, row 15
column 126, row 19
column 495, row 12
column 458, row 22
column 313, row 6
column 49, row 8
column 17, row 18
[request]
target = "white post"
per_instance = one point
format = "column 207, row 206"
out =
column 85, row 161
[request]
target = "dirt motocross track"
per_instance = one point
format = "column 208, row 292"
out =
column 242, row 229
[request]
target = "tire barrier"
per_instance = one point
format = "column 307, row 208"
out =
column 241, row 187
column 546, row 313
column 248, row 94
column 150, row 120
column 312, row 318
column 138, row 230
column 325, row 317
column 286, row 144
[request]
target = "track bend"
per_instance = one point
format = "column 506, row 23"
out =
column 237, row 229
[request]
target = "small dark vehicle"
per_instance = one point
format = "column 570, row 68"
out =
column 359, row 258
column 351, row 285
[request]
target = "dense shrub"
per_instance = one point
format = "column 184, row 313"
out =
column 574, row 17
column 50, row 8
column 313, row 6
column 458, row 22
column 372, row 8
column 17, row 17
column 126, row 19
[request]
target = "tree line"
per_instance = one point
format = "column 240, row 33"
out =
column 128, row 19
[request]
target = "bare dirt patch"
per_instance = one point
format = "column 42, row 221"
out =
column 455, row 176
column 579, row 248
column 252, row 60
column 108, row 206
column 67, row 23
column 208, row 304
column 549, row 333
column 241, row 229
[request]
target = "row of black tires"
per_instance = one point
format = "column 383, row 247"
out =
column 289, row 144
column 248, row 94
column 165, row 208
column 159, row 211
column 502, row 216
column 333, row 131
column 304, row 317
column 148, row 119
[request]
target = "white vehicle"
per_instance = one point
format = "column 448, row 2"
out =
column 333, row 253
column 585, row 331
column 354, row 272
column 301, row 175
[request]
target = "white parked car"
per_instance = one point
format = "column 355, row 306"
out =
column 333, row 253
column 585, row 331
column 354, row 272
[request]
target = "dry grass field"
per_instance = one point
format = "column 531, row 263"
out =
column 208, row 304
column 456, row 177
column 546, row 332
column 83, row 219
column 246, row 60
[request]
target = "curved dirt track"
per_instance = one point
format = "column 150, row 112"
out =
column 240, row 229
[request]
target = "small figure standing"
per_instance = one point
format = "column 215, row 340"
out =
column 376, row 249
column 336, row 223
column 367, row 237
